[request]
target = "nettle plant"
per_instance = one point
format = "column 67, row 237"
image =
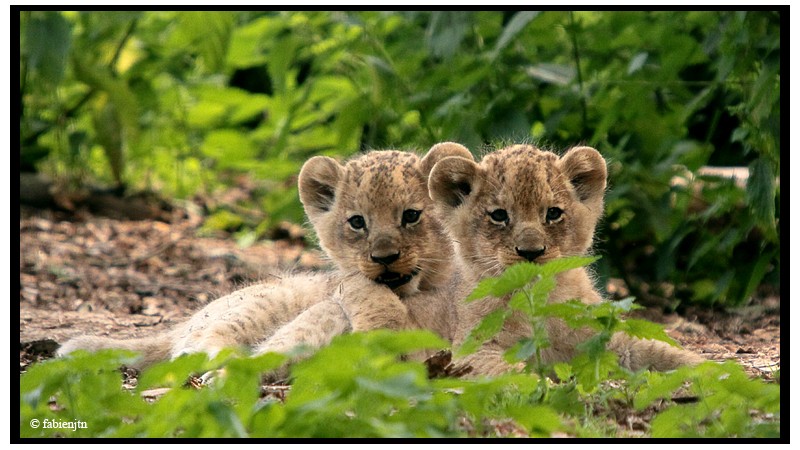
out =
column 728, row 403
column 529, row 285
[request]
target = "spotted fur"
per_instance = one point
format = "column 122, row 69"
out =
column 370, row 287
column 521, row 203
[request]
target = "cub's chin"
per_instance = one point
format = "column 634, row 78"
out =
column 401, row 284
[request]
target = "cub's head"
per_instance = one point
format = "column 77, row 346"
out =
column 520, row 204
column 373, row 215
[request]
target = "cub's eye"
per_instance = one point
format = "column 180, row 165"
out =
column 411, row 216
column 357, row 222
column 553, row 214
column 499, row 215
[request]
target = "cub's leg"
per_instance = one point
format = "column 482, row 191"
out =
column 247, row 316
column 634, row 353
column 314, row 327
column 357, row 304
column 637, row 354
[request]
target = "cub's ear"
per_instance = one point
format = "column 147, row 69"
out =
column 440, row 151
column 452, row 180
column 317, row 184
column 586, row 170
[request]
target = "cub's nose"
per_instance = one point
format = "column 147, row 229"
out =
column 530, row 255
column 385, row 259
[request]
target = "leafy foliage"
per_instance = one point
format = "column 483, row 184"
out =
column 727, row 400
column 185, row 102
column 528, row 285
column 357, row 387
column 361, row 386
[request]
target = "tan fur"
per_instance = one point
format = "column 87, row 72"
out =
column 379, row 188
column 525, row 182
column 311, row 309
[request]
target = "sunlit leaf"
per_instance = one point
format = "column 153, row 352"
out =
column 637, row 62
column 646, row 330
column 512, row 29
column 489, row 326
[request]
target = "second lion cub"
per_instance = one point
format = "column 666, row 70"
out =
column 524, row 204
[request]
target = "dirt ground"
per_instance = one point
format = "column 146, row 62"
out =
column 81, row 273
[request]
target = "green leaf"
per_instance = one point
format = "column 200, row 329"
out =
column 402, row 342
column 761, row 196
column 591, row 370
column 206, row 114
column 541, row 289
column 210, row 32
column 521, row 351
column 515, row 277
column 48, row 37
column 485, row 330
column 659, row 386
column 512, row 29
column 403, row 385
column 222, row 220
column 563, row 264
column 676, row 422
column 118, row 92
column 522, row 301
column 575, row 313
column 172, row 373
column 108, row 132
column 540, row 421
column 250, row 42
column 595, row 346
column 637, row 62
column 567, row 400
column 484, row 289
column 625, row 305
column 229, row 148
column 646, row 330
column 563, row 371
column 446, row 30
column 550, row 73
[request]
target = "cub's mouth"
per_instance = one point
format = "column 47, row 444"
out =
column 394, row 280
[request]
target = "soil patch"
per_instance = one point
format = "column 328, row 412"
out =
column 81, row 273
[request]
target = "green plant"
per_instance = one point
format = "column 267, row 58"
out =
column 528, row 286
column 356, row 387
column 727, row 401
column 182, row 102
column 360, row 386
column 187, row 103
column 729, row 404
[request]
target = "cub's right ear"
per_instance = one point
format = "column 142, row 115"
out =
column 317, row 184
column 452, row 180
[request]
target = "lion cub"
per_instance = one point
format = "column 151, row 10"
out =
column 375, row 221
column 375, row 215
column 524, row 204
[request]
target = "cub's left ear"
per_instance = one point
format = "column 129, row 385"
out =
column 586, row 170
column 441, row 151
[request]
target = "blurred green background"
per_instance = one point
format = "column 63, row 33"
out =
column 189, row 104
